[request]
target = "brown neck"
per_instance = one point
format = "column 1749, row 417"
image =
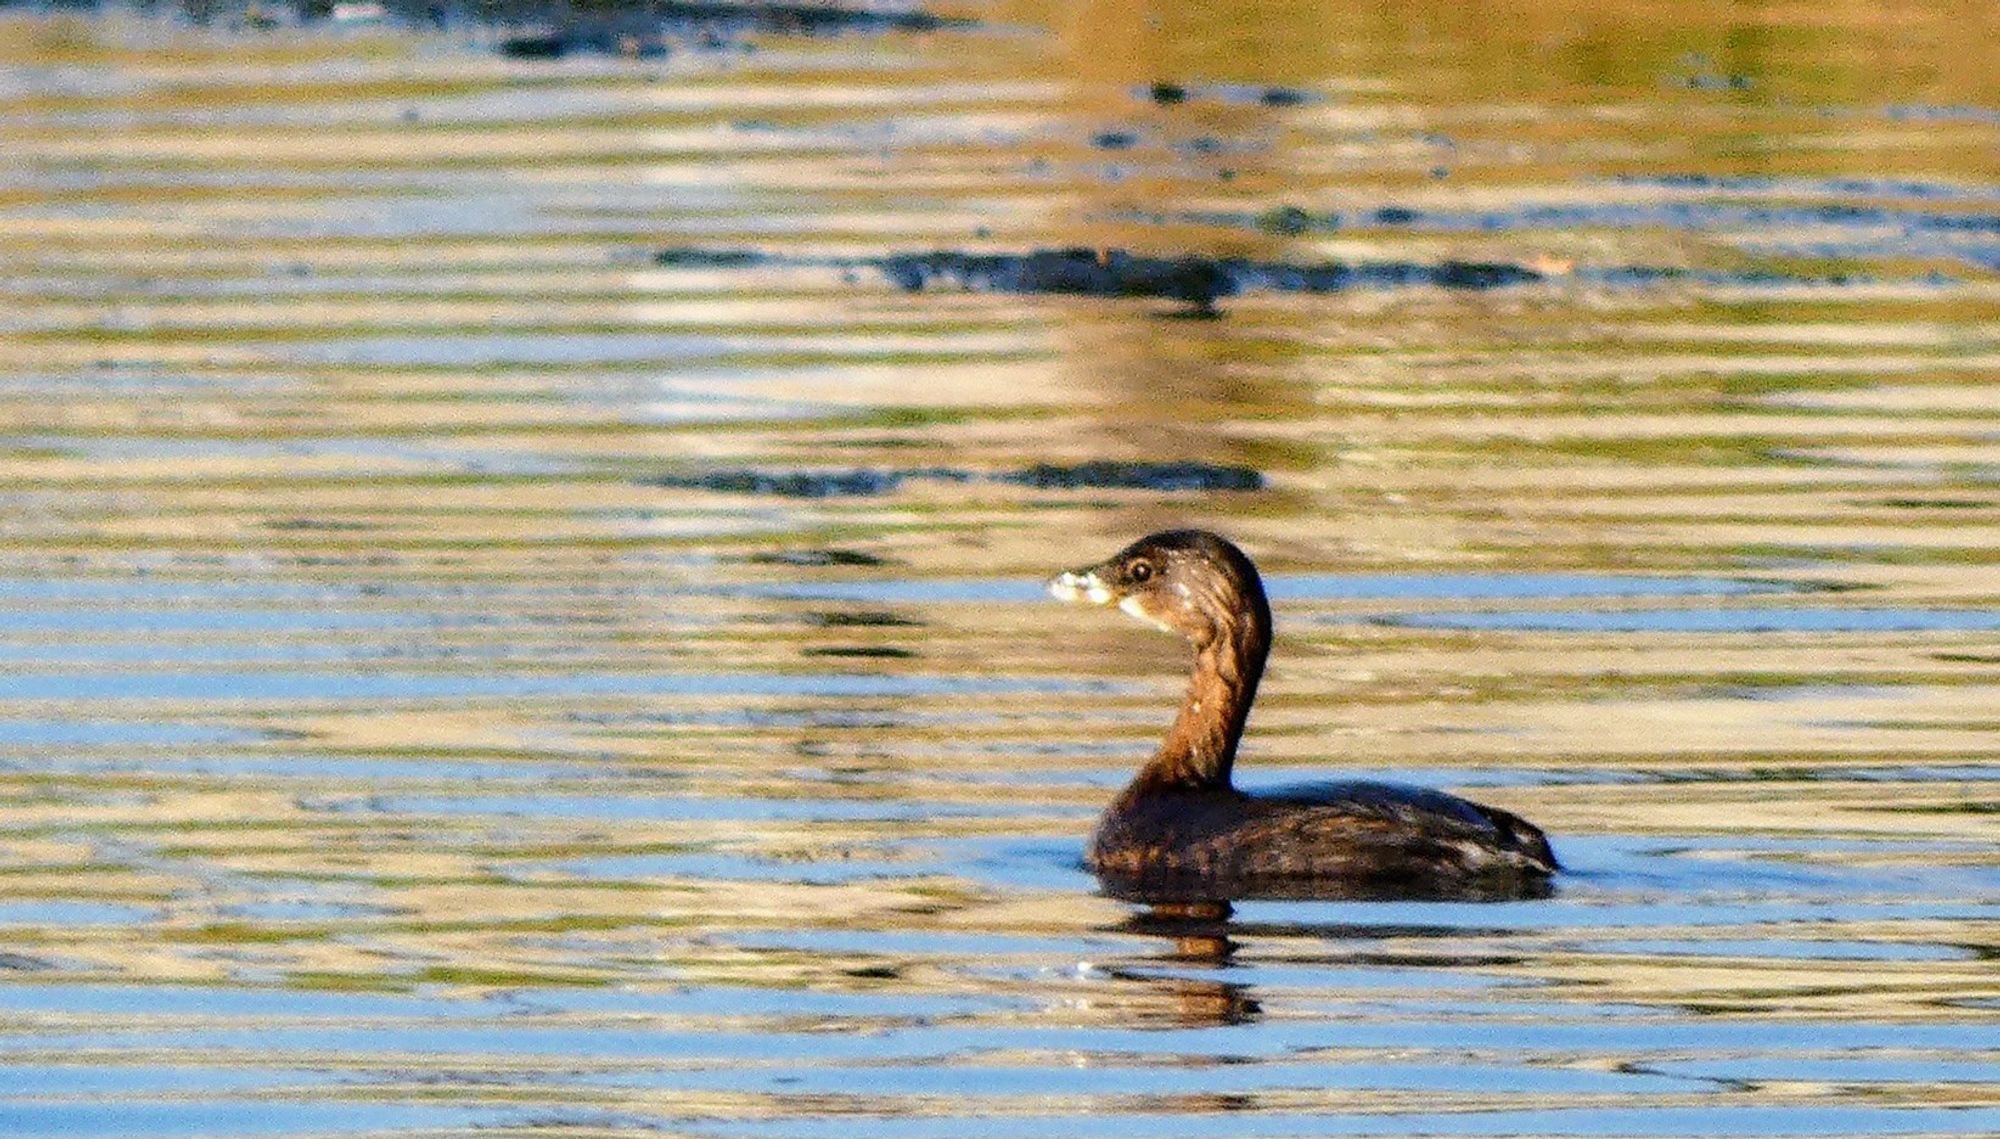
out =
column 1200, row 748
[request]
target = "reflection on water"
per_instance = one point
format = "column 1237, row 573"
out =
column 1848, row 620
column 523, row 545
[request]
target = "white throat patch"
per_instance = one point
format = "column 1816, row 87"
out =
column 1132, row 608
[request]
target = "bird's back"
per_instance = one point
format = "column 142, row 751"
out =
column 1352, row 840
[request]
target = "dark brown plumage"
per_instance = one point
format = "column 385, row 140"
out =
column 1181, row 832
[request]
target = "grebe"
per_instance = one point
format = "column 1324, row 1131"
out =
column 1182, row 832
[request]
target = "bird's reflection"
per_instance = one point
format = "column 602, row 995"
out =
column 1198, row 935
column 1205, row 933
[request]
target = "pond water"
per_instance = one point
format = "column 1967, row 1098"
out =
column 521, row 611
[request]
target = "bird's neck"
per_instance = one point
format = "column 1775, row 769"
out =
column 1200, row 748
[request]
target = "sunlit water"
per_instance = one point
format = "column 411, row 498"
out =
column 519, row 608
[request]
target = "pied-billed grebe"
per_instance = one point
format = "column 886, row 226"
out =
column 1181, row 830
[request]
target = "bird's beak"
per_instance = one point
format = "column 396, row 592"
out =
column 1079, row 587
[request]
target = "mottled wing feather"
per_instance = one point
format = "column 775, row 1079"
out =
column 1411, row 806
column 1346, row 839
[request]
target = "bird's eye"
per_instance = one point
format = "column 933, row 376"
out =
column 1140, row 571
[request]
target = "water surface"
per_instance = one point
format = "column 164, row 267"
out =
column 520, row 602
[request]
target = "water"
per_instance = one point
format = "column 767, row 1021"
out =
column 520, row 595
